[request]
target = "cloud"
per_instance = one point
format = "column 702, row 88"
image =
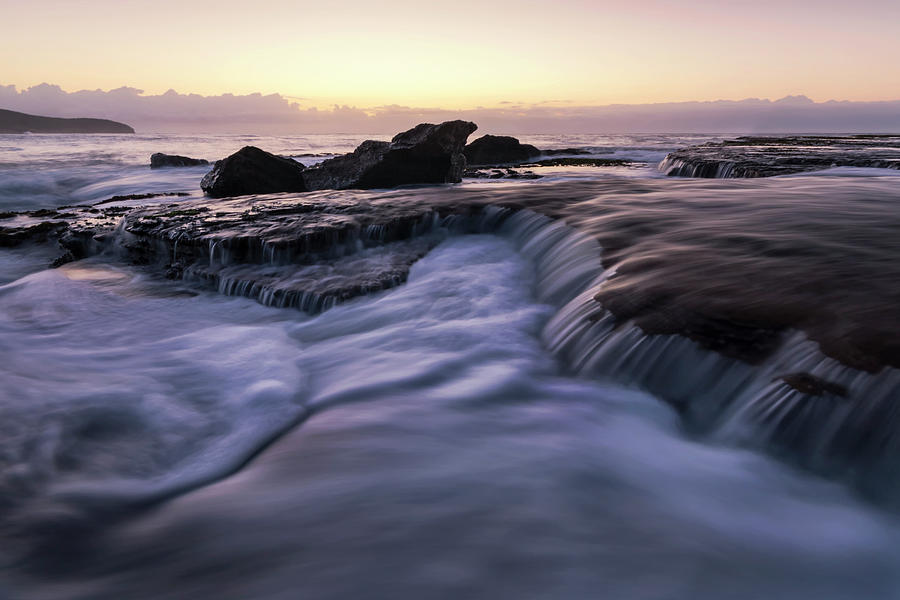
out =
column 274, row 113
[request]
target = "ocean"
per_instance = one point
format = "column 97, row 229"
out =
column 480, row 428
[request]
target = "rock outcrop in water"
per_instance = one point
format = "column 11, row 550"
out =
column 497, row 150
column 425, row 154
column 16, row 122
column 253, row 171
column 770, row 156
column 158, row 160
column 732, row 308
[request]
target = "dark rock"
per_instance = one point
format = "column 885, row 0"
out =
column 812, row 385
column 770, row 156
column 63, row 259
column 580, row 162
column 498, row 149
column 253, row 171
column 564, row 152
column 130, row 197
column 32, row 232
column 500, row 174
column 425, row 154
column 159, row 159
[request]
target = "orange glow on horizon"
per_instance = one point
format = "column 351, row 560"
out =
column 464, row 55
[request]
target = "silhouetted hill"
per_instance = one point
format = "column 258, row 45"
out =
column 16, row 122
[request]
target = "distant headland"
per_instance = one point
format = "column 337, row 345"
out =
column 16, row 122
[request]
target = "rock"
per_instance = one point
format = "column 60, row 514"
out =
column 159, row 159
column 425, row 154
column 564, row 152
column 30, row 232
column 752, row 156
column 580, row 162
column 129, row 197
column 253, row 171
column 807, row 383
column 498, row 149
column 500, row 174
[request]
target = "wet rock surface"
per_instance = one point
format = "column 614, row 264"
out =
column 159, row 160
column 498, row 149
column 564, row 151
column 729, row 265
column 253, row 171
column 813, row 386
column 770, row 156
column 425, row 154
column 495, row 173
column 579, row 162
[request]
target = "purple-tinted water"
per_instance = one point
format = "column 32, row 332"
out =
column 440, row 439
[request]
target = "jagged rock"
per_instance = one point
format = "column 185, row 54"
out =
column 159, row 159
column 770, row 156
column 35, row 231
column 253, row 171
column 425, row 154
column 498, row 149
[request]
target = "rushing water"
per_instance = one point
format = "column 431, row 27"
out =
column 432, row 440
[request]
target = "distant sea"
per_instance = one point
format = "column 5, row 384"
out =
column 44, row 171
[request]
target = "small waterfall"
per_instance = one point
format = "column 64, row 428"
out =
column 708, row 169
column 797, row 403
column 566, row 259
column 849, row 426
column 844, row 423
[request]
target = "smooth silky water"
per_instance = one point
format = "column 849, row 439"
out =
column 445, row 438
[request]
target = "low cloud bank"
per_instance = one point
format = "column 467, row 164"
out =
column 273, row 114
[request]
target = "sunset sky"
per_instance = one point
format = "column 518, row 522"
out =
column 460, row 54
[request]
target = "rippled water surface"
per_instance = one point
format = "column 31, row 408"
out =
column 161, row 440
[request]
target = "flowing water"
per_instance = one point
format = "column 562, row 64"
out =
column 464, row 434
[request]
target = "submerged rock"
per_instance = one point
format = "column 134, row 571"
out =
column 769, row 156
column 499, row 149
column 425, row 154
column 253, row 171
column 564, row 152
column 581, row 162
column 807, row 383
column 158, row 160
column 500, row 174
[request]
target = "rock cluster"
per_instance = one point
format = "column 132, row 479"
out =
column 425, row 154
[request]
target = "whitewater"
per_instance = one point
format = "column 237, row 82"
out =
column 461, row 434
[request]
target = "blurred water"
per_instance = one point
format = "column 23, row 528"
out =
column 420, row 442
column 443, row 454
column 44, row 171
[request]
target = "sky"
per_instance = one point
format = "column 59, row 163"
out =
column 459, row 54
